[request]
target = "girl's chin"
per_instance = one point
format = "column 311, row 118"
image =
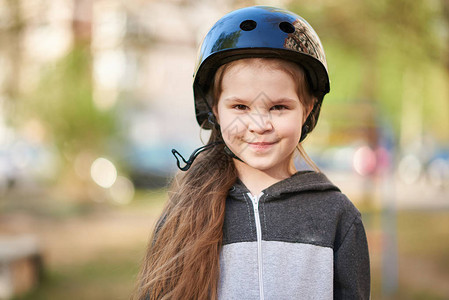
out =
column 262, row 165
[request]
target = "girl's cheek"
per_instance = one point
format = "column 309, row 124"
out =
column 290, row 127
column 232, row 129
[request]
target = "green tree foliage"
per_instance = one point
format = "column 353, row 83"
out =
column 391, row 52
column 63, row 101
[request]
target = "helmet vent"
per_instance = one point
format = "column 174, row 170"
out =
column 287, row 27
column 248, row 25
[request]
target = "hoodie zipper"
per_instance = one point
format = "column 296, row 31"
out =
column 255, row 202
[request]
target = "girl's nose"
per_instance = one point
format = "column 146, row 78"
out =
column 260, row 123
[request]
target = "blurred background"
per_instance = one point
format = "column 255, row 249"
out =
column 95, row 94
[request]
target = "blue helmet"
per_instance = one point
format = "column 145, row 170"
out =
column 260, row 31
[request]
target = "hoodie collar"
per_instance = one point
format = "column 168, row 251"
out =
column 301, row 181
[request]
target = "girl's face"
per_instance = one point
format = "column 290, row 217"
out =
column 260, row 115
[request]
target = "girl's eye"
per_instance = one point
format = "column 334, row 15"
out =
column 279, row 107
column 240, row 107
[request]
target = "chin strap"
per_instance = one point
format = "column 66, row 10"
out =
column 231, row 154
column 304, row 132
column 192, row 157
column 196, row 152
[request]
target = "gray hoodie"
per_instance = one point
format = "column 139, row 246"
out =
column 301, row 238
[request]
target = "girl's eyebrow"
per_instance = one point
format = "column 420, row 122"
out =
column 234, row 98
column 284, row 100
column 266, row 100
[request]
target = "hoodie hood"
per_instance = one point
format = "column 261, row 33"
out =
column 301, row 181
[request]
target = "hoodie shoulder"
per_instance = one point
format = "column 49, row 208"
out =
column 307, row 208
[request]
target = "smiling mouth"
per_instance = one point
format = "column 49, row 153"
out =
column 261, row 145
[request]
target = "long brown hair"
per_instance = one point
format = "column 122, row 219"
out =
column 182, row 260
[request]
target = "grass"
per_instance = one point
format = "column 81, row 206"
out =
column 109, row 276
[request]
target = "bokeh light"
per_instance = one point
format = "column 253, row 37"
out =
column 409, row 169
column 122, row 191
column 364, row 161
column 103, row 172
column 438, row 171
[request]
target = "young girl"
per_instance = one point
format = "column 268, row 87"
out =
column 241, row 222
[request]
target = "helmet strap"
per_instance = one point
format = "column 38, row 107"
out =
column 188, row 163
column 231, row 154
column 304, row 131
column 193, row 156
column 211, row 119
